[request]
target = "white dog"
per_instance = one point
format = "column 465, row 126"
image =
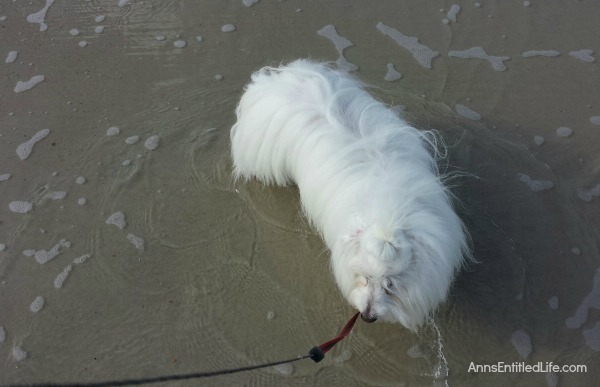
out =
column 368, row 182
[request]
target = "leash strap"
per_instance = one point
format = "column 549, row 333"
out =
column 318, row 353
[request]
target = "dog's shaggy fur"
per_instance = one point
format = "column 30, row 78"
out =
column 368, row 182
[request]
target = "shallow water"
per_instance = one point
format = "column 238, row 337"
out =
column 201, row 273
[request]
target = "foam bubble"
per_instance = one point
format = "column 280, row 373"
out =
column 219, row 77
column 132, row 140
column 538, row 140
column 5, row 177
column 11, row 57
column 25, row 149
column 58, row 195
column 592, row 300
column 552, row 379
column 270, row 315
column 547, row 53
column 467, row 113
column 23, row 86
column 584, row 55
column 118, row 219
column 160, row 38
column 285, row 369
column 74, row 32
column 137, row 241
column 553, row 302
column 20, row 207
column 228, row 28
column 199, row 38
column 592, row 337
column 2, row 334
column 522, row 342
column 344, row 356
column 2, row 246
column 123, row 3
column 82, row 201
column 37, row 304
column 113, row 131
column 564, row 132
column 576, row 250
column 180, row 43
column 99, row 29
column 595, row 120
column 62, row 276
column 126, row 163
column 82, row 259
column 18, row 353
column 479, row 53
column 392, row 73
column 83, row 43
column 340, row 43
column 40, row 16
column 526, row 4
column 151, row 143
column 249, row 3
column 100, row 18
column 423, row 54
column 80, row 180
column 43, row 256
column 29, row 253
column 453, row 12
column 535, row 185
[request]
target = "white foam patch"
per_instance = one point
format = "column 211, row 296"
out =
column 592, row 300
column 522, row 343
column 29, row 253
column 132, row 140
column 43, row 256
column 576, row 250
column 11, row 57
column 228, row 28
column 584, row 55
column 37, row 304
column 74, row 32
column 552, row 379
column 199, row 38
column 21, row 207
column 118, row 219
column 392, row 73
column 5, row 177
column 83, row 43
column 592, row 337
column 18, row 353
column 151, row 143
column 344, row 356
column 249, row 3
column 2, row 334
column 160, row 38
column 180, row 43
column 58, row 195
column 137, row 241
column 453, row 12
column 82, row 201
column 27, row 85
column 526, row 4
column 99, row 29
column 80, row 180
column 423, row 54
column 467, row 112
column 25, row 149
column 123, row 3
column 40, row 16
column 126, row 163
column 113, row 131
column 497, row 62
column 547, row 53
column 416, row 352
column 564, row 132
column 100, row 18
column 595, row 120
column 340, row 43
column 538, row 140
column 588, row 194
column 535, row 185
column 82, row 259
column 2, row 246
column 271, row 315
column 62, row 276
column 285, row 369
column 553, row 302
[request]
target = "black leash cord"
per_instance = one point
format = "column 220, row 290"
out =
column 129, row 382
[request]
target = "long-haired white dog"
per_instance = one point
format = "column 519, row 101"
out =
column 368, row 182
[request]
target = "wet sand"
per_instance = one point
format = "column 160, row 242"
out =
column 130, row 252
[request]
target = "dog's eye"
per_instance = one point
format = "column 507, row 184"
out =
column 389, row 285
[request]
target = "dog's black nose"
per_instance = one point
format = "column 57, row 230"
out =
column 367, row 318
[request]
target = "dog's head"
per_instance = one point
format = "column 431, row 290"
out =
column 394, row 275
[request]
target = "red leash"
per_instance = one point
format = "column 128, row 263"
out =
column 318, row 353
